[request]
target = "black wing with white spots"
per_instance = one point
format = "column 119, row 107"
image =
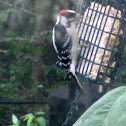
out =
column 62, row 44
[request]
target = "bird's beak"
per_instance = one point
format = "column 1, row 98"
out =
column 77, row 17
column 77, row 14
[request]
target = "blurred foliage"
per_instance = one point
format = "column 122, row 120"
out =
column 31, row 119
column 27, row 57
column 22, row 44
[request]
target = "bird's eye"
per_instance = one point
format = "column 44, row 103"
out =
column 72, row 15
column 69, row 15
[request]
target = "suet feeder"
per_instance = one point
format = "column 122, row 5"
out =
column 102, row 28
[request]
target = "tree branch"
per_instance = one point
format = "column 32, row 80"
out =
column 3, row 51
column 22, row 9
column 10, row 39
column 37, row 35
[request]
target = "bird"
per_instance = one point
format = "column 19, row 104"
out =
column 66, row 44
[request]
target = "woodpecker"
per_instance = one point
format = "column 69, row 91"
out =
column 65, row 42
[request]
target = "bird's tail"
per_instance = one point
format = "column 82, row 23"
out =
column 74, row 80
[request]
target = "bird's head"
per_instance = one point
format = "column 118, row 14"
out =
column 66, row 17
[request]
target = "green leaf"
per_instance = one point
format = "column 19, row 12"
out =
column 110, row 110
column 30, row 120
column 41, row 121
column 26, row 117
column 14, row 119
column 39, row 113
column 29, row 117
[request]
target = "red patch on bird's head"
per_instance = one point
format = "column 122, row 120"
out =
column 63, row 11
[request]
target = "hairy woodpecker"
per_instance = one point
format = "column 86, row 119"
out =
column 65, row 42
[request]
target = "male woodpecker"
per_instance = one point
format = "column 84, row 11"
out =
column 65, row 42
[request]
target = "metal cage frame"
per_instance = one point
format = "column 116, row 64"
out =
column 87, row 59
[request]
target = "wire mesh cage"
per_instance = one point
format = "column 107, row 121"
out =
column 101, row 32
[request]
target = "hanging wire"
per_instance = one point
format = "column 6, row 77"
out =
column 72, row 110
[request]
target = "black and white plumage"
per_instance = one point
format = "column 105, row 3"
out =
column 65, row 42
column 63, row 45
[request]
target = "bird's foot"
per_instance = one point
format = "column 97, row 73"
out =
column 59, row 64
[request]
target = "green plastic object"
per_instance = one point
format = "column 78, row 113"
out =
column 110, row 110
